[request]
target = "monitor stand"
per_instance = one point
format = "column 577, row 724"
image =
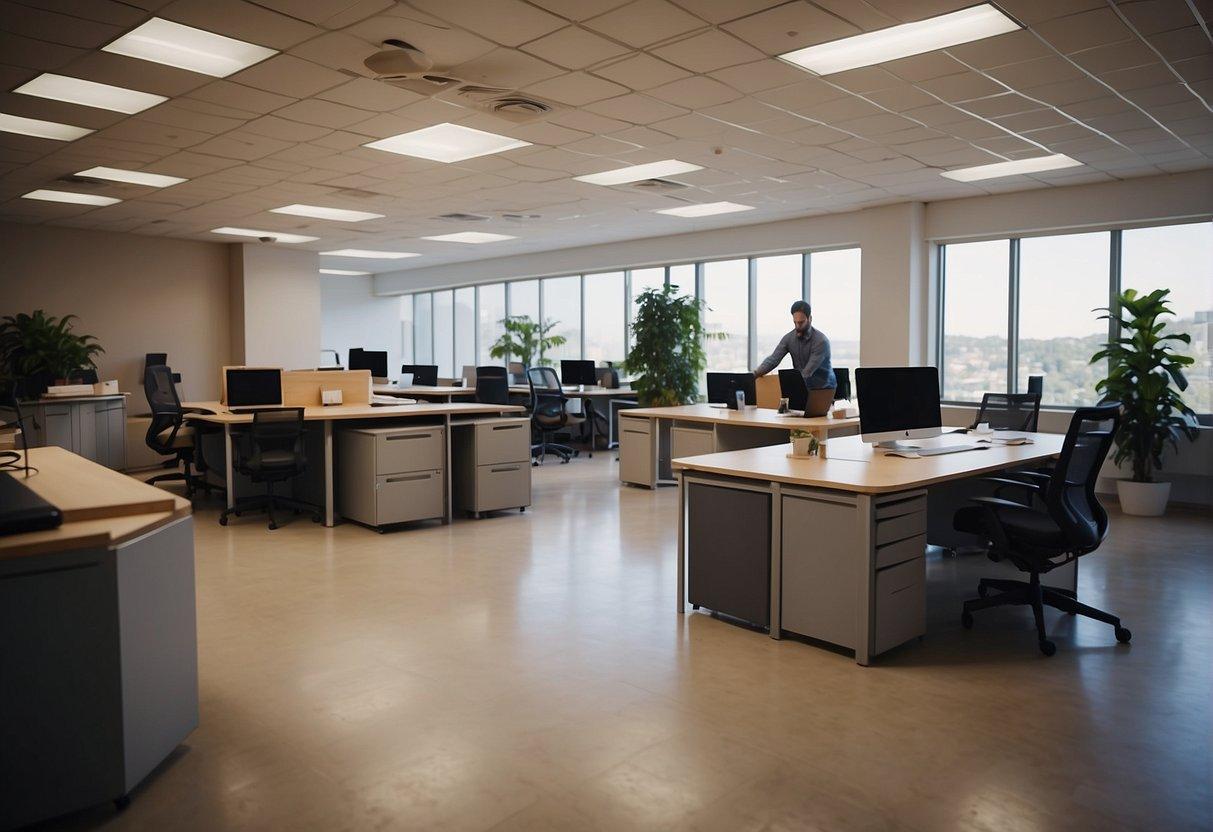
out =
column 897, row 445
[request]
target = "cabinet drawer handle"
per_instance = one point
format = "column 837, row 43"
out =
column 641, row 432
column 507, row 427
column 410, row 479
column 503, row 470
column 409, row 436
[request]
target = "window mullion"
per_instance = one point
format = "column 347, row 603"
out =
column 1013, row 317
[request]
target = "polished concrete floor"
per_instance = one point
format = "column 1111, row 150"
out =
column 528, row 672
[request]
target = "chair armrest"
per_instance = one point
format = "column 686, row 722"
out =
column 993, row 506
column 1039, row 476
column 1001, row 483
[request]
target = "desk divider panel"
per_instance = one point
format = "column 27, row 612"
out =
column 301, row 388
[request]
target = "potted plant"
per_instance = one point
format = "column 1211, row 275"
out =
column 804, row 443
column 40, row 349
column 526, row 340
column 667, row 352
column 1146, row 377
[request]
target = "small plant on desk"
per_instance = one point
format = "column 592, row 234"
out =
column 804, row 443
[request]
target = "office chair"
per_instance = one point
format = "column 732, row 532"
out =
column 272, row 451
column 1009, row 411
column 842, row 384
column 517, row 371
column 1067, row 523
column 608, row 377
column 424, row 375
column 549, row 413
column 492, row 385
column 153, row 359
column 167, row 434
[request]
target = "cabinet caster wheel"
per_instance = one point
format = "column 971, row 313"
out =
column 122, row 803
column 522, row 509
column 966, row 620
column 1048, row 648
column 381, row 530
column 273, row 526
column 223, row 521
column 1123, row 635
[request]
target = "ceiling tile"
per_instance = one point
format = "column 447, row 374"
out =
column 924, row 67
column 999, row 50
column 241, row 97
column 290, row 131
column 241, row 20
column 720, row 11
column 507, row 22
column 707, row 51
column 288, row 75
column 323, row 113
column 576, row 89
column 790, row 26
column 645, row 22
column 760, row 75
column 579, row 9
column 1189, row 42
column 507, row 68
column 370, row 95
column 574, row 48
column 1084, row 30
column 964, row 86
column 641, row 72
column 62, row 29
column 1149, row 17
column 635, row 108
column 695, row 93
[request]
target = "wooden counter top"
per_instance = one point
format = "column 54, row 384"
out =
column 218, row 414
column 101, row 507
column 751, row 417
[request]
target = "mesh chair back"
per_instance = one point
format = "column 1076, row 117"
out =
column 166, row 407
column 547, row 399
column 278, row 429
column 492, row 385
column 1009, row 411
column 544, row 378
column 1070, row 494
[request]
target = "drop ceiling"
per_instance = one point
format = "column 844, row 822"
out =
column 1126, row 88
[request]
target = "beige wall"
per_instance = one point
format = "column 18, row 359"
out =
column 136, row 294
column 275, row 306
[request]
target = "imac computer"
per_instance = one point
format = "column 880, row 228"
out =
column 424, row 375
column 373, row 360
column 899, row 403
column 251, row 388
column 723, row 387
column 579, row 373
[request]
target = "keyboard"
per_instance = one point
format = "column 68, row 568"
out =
column 21, row 510
column 939, row 450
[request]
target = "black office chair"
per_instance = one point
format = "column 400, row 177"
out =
column 152, row 359
column 1064, row 523
column 272, row 451
column 842, row 383
column 1009, row 411
column 424, row 375
column 549, row 414
column 492, row 385
column 167, row 434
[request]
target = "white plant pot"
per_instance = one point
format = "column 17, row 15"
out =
column 800, row 446
column 1143, row 499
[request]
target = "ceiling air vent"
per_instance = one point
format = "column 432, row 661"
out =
column 458, row 217
column 659, row 185
column 502, row 102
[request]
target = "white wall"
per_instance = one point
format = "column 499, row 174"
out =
column 276, row 306
column 355, row 317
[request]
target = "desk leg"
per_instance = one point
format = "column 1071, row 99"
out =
column 229, row 474
column 328, row 472
column 588, row 409
column 866, row 580
column 682, row 545
column 446, row 506
column 776, row 561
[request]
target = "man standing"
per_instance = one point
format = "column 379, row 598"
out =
column 809, row 348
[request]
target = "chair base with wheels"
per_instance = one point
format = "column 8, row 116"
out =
column 270, row 502
column 544, row 447
column 1032, row 593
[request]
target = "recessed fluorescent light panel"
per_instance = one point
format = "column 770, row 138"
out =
column 322, row 213
column 41, row 129
column 342, row 271
column 369, row 254
column 68, row 196
column 276, row 236
column 470, row 237
column 1014, row 168
column 447, row 142
column 89, row 93
column 637, row 173
column 707, row 209
column 165, row 42
column 134, row 177
column 952, row 29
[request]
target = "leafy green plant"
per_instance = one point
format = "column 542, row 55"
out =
column 525, row 340
column 43, row 346
column 1146, row 377
column 667, row 352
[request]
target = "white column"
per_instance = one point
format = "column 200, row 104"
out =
column 275, row 306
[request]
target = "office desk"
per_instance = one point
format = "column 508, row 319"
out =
column 592, row 396
column 217, row 414
column 652, row 436
column 98, row 644
column 844, row 537
column 425, row 392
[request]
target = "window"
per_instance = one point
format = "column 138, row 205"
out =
column 562, row 305
column 406, row 332
column 975, row 310
column 444, row 333
column 834, row 283
column 726, row 292
column 1178, row 257
column 465, row 329
column 524, row 299
column 491, row 300
column 683, row 276
column 423, row 329
column 643, row 279
column 780, row 282
column 604, row 327
column 1061, row 280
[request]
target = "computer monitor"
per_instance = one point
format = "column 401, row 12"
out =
column 373, row 360
column 253, row 386
column 424, row 375
column 792, row 387
column 723, row 387
column 842, row 383
column 577, row 372
column 898, row 403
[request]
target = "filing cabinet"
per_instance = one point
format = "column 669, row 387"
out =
column 492, row 464
column 391, row 475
